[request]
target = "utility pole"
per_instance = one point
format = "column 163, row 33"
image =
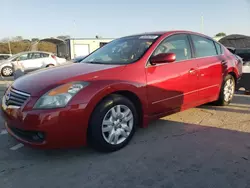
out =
column 9, row 46
column 75, row 28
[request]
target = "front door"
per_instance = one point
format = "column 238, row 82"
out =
column 34, row 61
column 172, row 86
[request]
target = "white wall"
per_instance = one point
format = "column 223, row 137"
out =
column 92, row 44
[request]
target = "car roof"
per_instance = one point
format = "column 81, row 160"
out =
column 171, row 32
column 35, row 52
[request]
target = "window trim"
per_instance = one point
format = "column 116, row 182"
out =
column 135, row 61
column 35, row 53
column 43, row 53
column 148, row 64
column 192, row 46
column 221, row 49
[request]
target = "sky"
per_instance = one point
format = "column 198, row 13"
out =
column 116, row 18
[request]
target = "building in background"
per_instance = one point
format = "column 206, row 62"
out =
column 72, row 48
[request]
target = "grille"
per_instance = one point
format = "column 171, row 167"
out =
column 15, row 98
column 31, row 136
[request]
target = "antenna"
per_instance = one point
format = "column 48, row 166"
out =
column 202, row 24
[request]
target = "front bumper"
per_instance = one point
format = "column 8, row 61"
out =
column 50, row 129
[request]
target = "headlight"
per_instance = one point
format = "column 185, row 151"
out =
column 59, row 96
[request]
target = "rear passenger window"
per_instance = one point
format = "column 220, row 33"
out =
column 44, row 55
column 203, row 46
column 218, row 48
column 35, row 55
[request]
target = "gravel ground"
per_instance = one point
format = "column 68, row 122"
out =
column 204, row 147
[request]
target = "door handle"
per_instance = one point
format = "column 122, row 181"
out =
column 191, row 71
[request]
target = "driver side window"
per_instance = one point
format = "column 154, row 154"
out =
column 177, row 44
column 21, row 57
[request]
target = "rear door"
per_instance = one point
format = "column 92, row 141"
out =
column 47, row 59
column 172, row 86
column 209, row 58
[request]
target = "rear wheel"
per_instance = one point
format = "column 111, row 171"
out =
column 7, row 71
column 50, row 65
column 112, row 124
column 227, row 91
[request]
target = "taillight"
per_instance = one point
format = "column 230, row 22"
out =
column 54, row 57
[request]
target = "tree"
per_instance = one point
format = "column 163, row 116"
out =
column 46, row 46
column 17, row 38
column 4, row 40
column 34, row 39
column 63, row 37
column 221, row 34
column 26, row 40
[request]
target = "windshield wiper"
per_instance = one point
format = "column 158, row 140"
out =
column 103, row 63
column 94, row 62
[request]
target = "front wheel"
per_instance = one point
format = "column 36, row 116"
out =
column 7, row 71
column 112, row 124
column 227, row 91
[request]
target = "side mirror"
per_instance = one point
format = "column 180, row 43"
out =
column 163, row 58
column 16, row 59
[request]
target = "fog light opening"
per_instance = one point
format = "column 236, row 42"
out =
column 40, row 135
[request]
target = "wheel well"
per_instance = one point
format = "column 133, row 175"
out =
column 49, row 65
column 7, row 66
column 234, row 75
column 134, row 99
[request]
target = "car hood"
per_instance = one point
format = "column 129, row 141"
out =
column 4, row 61
column 39, row 82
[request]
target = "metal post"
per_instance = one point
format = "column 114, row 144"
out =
column 9, row 47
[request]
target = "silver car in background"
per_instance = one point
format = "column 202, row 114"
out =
column 5, row 56
column 29, row 61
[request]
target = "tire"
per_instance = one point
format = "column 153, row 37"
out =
column 7, row 71
column 225, row 100
column 99, row 137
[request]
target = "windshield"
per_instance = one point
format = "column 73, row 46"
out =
column 78, row 59
column 122, row 51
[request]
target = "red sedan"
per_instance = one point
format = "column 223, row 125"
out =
column 117, row 88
